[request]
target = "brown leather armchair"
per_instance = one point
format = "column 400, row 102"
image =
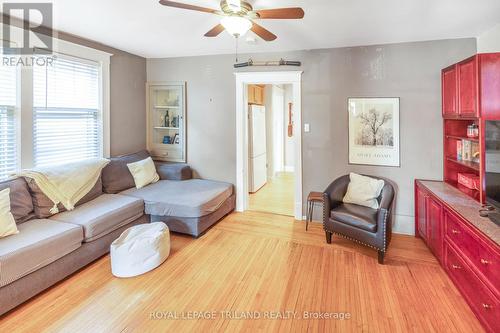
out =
column 367, row 226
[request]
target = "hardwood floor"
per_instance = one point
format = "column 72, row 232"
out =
column 277, row 196
column 258, row 262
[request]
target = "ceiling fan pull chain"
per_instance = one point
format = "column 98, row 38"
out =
column 236, row 48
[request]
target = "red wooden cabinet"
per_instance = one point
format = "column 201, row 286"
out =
column 421, row 212
column 435, row 226
column 471, row 260
column 449, row 91
column 468, row 88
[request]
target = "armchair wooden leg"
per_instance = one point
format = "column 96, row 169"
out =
column 328, row 237
column 381, row 255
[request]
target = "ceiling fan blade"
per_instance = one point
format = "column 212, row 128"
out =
column 190, row 7
column 281, row 13
column 215, row 31
column 262, row 32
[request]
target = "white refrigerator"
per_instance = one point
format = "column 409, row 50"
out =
column 257, row 162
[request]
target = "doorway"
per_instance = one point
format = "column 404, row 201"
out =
column 279, row 175
column 270, row 148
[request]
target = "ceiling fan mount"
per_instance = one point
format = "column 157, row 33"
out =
column 238, row 17
column 229, row 9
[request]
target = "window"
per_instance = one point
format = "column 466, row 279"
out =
column 8, row 125
column 67, row 118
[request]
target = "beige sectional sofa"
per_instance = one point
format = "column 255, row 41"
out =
column 49, row 248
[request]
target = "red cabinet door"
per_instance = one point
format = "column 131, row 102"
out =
column 421, row 213
column 435, row 227
column 449, row 87
column 467, row 88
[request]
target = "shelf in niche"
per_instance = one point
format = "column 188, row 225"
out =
column 167, row 128
column 166, row 106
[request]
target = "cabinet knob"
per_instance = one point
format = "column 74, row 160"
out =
column 455, row 267
column 453, row 231
column 484, row 261
column 486, row 306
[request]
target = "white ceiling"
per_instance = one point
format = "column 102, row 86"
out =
column 146, row 28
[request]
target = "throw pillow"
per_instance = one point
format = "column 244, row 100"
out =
column 7, row 223
column 363, row 191
column 144, row 172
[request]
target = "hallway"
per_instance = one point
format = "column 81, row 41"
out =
column 277, row 196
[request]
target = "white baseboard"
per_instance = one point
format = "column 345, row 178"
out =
column 404, row 224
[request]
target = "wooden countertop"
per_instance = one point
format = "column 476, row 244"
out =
column 463, row 205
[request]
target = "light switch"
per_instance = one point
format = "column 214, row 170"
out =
column 307, row 128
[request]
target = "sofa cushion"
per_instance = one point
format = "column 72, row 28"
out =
column 38, row 243
column 357, row 216
column 103, row 215
column 42, row 204
column 21, row 203
column 116, row 176
column 187, row 198
column 173, row 171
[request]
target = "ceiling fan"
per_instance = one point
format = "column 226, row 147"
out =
column 238, row 17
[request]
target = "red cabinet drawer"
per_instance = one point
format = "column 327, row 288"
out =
column 484, row 304
column 483, row 257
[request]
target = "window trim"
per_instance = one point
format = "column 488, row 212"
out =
column 25, row 108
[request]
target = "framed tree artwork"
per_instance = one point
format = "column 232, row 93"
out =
column 374, row 131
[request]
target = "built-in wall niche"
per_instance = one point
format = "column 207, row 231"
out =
column 167, row 121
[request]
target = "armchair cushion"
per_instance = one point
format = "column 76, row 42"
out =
column 356, row 216
column 363, row 191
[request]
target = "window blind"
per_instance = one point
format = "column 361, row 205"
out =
column 8, row 128
column 67, row 118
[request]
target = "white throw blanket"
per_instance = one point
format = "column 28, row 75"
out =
column 67, row 183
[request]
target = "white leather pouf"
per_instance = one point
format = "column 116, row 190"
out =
column 140, row 249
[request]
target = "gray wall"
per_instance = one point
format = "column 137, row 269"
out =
column 410, row 71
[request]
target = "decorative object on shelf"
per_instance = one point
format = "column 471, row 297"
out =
column 473, row 131
column 175, row 121
column 459, row 150
column 374, row 131
column 466, row 150
column 290, row 122
column 166, row 140
column 475, row 152
column 176, row 138
column 281, row 62
column 469, row 180
column 166, row 122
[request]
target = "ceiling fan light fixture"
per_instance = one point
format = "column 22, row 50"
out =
column 236, row 25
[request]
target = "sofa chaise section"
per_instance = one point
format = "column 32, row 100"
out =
column 188, row 206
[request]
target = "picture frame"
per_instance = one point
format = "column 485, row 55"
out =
column 374, row 131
